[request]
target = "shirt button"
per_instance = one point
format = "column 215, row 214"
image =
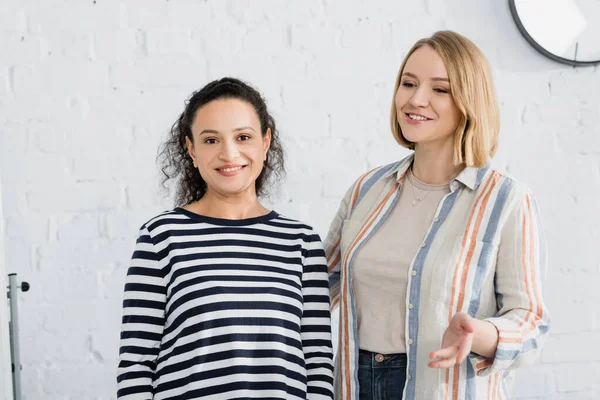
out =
column 436, row 219
column 409, row 341
column 454, row 184
column 408, row 378
column 413, row 272
column 410, row 306
column 423, row 245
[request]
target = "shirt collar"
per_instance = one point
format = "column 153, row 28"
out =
column 471, row 177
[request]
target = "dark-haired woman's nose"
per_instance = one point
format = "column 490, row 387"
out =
column 229, row 151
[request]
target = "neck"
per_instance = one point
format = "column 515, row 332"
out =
column 217, row 205
column 435, row 166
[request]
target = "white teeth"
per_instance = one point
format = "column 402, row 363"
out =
column 417, row 117
column 230, row 169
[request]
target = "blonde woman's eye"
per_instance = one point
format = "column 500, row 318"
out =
column 408, row 84
column 442, row 90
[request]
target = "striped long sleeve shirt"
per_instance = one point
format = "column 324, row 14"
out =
column 217, row 309
column 484, row 254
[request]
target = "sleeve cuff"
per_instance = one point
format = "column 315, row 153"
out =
column 510, row 344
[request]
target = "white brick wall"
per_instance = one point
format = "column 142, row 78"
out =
column 87, row 88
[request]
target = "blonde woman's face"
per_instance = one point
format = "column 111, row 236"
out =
column 424, row 104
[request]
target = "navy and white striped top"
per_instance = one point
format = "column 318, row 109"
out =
column 226, row 309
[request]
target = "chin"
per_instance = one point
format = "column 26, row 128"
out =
column 414, row 138
column 233, row 191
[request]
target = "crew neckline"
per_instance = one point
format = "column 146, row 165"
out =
column 425, row 186
column 224, row 221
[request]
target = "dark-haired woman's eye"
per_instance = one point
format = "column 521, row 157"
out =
column 244, row 137
column 210, row 140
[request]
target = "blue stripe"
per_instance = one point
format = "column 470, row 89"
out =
column 528, row 345
column 488, row 248
column 415, row 294
column 506, row 355
column 366, row 186
column 480, row 174
column 481, row 271
column 533, row 343
column 505, row 189
column 470, row 387
column 333, row 279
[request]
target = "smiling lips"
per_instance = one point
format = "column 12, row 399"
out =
column 230, row 170
column 416, row 119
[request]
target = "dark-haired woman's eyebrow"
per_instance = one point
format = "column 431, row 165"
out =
column 208, row 131
column 243, row 128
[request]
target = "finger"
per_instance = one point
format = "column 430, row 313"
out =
column 465, row 348
column 445, row 363
column 444, row 353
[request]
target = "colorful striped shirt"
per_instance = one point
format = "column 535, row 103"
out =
column 483, row 254
column 217, row 308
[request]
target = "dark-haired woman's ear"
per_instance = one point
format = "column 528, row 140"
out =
column 266, row 143
column 190, row 149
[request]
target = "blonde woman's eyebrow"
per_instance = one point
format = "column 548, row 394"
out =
column 437, row 79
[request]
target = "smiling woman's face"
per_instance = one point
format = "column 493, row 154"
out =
column 424, row 105
column 228, row 147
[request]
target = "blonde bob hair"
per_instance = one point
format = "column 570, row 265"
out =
column 472, row 88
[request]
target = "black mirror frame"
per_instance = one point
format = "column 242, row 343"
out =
column 540, row 49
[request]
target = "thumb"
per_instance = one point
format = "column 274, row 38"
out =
column 468, row 324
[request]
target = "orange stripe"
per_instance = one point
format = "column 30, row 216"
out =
column 455, row 383
column 524, row 264
column 346, row 335
column 465, row 237
column 532, row 260
column 358, row 187
column 331, row 266
column 463, row 283
column 533, row 326
column 493, row 176
column 334, row 249
column 446, row 384
column 510, row 340
column 497, row 380
column 335, row 302
column 484, row 364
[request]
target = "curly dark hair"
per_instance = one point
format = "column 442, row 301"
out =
column 175, row 162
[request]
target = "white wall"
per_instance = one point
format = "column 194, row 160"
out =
column 87, row 88
column 6, row 390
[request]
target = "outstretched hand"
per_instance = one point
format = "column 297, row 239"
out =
column 456, row 342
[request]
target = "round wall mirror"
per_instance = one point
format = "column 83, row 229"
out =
column 566, row 31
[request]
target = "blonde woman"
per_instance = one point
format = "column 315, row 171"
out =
column 436, row 260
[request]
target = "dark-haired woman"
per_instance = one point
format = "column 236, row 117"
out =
column 225, row 298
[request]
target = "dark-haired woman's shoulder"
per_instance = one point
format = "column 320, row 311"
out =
column 167, row 217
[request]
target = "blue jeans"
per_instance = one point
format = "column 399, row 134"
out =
column 381, row 377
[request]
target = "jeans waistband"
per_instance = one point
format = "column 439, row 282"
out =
column 378, row 360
